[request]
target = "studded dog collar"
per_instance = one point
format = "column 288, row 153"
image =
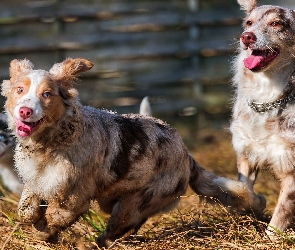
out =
column 268, row 106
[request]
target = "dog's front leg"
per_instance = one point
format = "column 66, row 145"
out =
column 29, row 209
column 59, row 215
column 285, row 208
column 247, row 174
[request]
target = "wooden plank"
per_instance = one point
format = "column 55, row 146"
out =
column 41, row 60
column 163, row 18
column 139, row 48
column 145, row 44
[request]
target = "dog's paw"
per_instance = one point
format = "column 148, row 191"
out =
column 41, row 231
column 29, row 213
column 272, row 233
column 102, row 242
column 29, row 209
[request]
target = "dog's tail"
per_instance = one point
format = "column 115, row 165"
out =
column 230, row 193
column 145, row 107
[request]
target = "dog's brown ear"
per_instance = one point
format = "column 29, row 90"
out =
column 68, row 70
column 65, row 74
column 247, row 5
column 19, row 66
column 5, row 88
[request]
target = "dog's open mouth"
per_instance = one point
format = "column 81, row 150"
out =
column 259, row 59
column 24, row 129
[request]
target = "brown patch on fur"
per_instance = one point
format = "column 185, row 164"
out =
column 245, row 116
column 291, row 196
column 15, row 93
column 52, row 105
column 19, row 67
column 271, row 124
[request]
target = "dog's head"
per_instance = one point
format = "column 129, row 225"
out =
column 268, row 39
column 37, row 98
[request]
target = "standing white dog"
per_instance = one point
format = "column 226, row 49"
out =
column 263, row 124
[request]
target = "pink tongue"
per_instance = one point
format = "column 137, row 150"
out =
column 252, row 61
column 23, row 129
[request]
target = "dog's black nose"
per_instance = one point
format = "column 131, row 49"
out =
column 248, row 38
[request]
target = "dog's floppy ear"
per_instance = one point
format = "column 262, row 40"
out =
column 68, row 70
column 17, row 67
column 247, row 5
column 65, row 73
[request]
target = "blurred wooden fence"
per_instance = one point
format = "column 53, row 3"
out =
column 177, row 52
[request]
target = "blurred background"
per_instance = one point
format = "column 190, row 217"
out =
column 177, row 52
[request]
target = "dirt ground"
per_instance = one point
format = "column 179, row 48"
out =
column 192, row 225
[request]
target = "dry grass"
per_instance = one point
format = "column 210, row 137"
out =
column 191, row 226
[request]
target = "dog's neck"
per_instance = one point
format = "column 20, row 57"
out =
column 262, row 87
column 276, row 88
column 289, row 97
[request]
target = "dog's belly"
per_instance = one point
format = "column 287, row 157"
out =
column 262, row 147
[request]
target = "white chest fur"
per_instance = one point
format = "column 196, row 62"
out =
column 44, row 178
column 263, row 142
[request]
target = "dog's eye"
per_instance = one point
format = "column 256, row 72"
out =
column 20, row 90
column 249, row 23
column 46, row 94
column 275, row 23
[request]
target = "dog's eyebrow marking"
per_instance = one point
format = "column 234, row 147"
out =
column 281, row 14
column 24, row 81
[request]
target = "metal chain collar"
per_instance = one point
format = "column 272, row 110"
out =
column 267, row 106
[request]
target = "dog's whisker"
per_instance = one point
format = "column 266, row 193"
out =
column 270, row 48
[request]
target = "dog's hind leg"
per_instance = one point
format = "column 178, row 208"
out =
column 125, row 220
column 131, row 212
column 247, row 174
column 285, row 208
